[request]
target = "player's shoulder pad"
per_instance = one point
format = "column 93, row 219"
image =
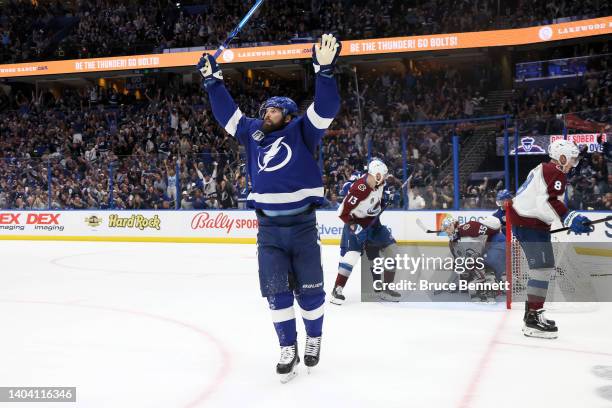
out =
column 491, row 222
column 551, row 172
column 360, row 189
column 552, row 175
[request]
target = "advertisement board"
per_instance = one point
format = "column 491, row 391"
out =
column 219, row 226
column 493, row 38
column 538, row 145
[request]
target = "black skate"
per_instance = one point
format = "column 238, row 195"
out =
column 549, row 321
column 289, row 360
column 536, row 325
column 389, row 295
column 337, row 298
column 312, row 352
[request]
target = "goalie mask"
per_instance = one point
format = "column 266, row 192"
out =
column 449, row 225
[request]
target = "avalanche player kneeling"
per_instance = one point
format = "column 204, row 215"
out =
column 536, row 206
column 360, row 212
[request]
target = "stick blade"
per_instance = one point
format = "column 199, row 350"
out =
column 421, row 225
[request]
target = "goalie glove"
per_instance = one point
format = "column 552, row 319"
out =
column 577, row 223
column 210, row 71
column 325, row 54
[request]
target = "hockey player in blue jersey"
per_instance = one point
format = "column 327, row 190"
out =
column 496, row 253
column 286, row 187
column 345, row 187
column 503, row 196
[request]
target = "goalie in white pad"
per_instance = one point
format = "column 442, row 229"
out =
column 475, row 239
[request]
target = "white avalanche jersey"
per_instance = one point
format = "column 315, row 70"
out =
column 538, row 203
column 361, row 204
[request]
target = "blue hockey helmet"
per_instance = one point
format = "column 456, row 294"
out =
column 287, row 105
column 355, row 176
column 502, row 196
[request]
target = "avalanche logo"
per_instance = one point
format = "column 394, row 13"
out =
column 373, row 211
column 273, row 154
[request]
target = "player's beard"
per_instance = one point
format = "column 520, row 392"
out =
column 268, row 126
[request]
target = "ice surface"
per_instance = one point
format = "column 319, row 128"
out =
column 183, row 325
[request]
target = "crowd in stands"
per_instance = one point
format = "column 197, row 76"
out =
column 590, row 187
column 26, row 30
column 111, row 27
column 445, row 92
column 99, row 148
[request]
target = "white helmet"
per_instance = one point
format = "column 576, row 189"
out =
column 563, row 147
column 377, row 167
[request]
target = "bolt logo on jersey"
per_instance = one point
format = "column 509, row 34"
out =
column 283, row 172
column 273, row 156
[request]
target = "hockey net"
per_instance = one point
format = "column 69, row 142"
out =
column 570, row 287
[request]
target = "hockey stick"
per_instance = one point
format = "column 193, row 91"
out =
column 608, row 218
column 424, row 228
column 237, row 29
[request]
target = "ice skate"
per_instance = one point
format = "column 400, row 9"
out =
column 312, row 352
column 389, row 295
column 536, row 325
column 337, row 298
column 286, row 367
column 547, row 320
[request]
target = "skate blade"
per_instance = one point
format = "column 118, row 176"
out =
column 529, row 332
column 285, row 378
column 335, row 301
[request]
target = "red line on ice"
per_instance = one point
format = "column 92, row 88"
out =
column 482, row 365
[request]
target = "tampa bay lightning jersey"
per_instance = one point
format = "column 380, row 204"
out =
column 501, row 215
column 347, row 185
column 284, row 173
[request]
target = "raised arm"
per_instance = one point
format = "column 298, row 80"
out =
column 224, row 109
column 322, row 111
